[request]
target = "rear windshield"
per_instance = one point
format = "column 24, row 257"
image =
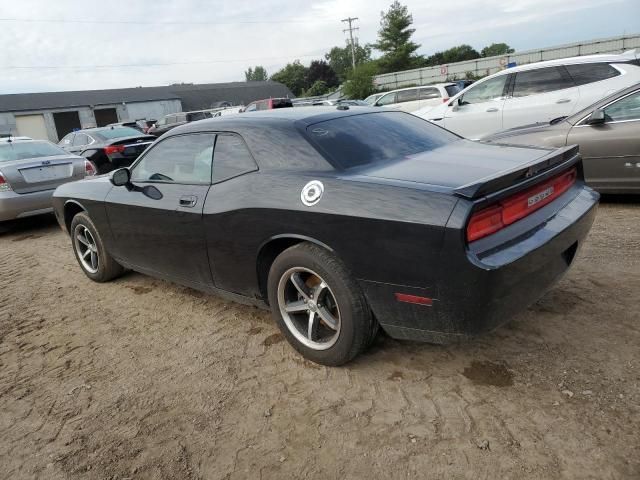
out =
column 117, row 132
column 192, row 117
column 452, row 90
column 282, row 103
column 21, row 150
column 375, row 138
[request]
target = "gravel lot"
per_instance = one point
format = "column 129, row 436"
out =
column 140, row 378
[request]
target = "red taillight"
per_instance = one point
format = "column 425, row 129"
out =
column 89, row 169
column 4, row 185
column 445, row 100
column 491, row 219
column 110, row 149
column 485, row 222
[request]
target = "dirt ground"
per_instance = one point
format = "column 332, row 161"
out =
column 140, row 378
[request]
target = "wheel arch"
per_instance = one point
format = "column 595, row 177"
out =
column 273, row 247
column 71, row 209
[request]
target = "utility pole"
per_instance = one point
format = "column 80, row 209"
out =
column 350, row 30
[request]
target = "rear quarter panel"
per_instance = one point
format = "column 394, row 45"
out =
column 382, row 233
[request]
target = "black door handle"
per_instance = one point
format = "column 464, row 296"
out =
column 188, row 201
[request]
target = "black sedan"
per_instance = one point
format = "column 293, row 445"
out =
column 341, row 221
column 108, row 148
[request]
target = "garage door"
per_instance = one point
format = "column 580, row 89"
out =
column 32, row 126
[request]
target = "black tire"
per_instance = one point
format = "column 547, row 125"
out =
column 358, row 328
column 107, row 268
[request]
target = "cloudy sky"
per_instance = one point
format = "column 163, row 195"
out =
column 87, row 44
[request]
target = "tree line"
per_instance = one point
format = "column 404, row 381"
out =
column 398, row 52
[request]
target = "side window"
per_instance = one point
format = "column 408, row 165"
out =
column 542, row 80
column 251, row 108
column 262, row 105
column 66, row 141
column 80, row 140
column 179, row 159
column 627, row 108
column 428, row 93
column 591, row 72
column 181, row 117
column 387, row 99
column 407, row 95
column 231, row 158
column 162, row 121
column 485, row 91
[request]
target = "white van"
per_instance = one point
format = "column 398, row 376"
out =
column 415, row 98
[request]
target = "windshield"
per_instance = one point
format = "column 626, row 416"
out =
column 117, row 132
column 21, row 150
column 375, row 138
column 452, row 90
column 371, row 99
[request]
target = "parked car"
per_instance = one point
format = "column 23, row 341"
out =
column 30, row 170
column 415, row 98
column 608, row 133
column 269, row 104
column 228, row 111
column 140, row 125
column 174, row 120
column 371, row 99
column 341, row 220
column 107, row 147
column 537, row 92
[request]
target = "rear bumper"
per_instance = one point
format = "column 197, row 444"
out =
column 481, row 292
column 17, row 205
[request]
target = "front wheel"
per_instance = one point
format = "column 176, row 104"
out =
column 89, row 250
column 318, row 306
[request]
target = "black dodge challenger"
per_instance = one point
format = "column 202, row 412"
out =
column 342, row 221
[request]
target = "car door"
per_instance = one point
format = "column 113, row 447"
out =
column 539, row 96
column 611, row 150
column 159, row 229
column 406, row 100
column 388, row 100
column 479, row 111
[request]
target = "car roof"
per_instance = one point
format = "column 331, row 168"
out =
column 306, row 115
column 19, row 139
column 621, row 58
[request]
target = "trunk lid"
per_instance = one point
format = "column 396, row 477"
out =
column 133, row 146
column 42, row 173
column 472, row 169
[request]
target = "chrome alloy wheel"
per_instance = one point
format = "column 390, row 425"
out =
column 309, row 308
column 86, row 248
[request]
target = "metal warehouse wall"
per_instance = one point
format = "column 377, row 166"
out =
column 489, row 65
column 126, row 111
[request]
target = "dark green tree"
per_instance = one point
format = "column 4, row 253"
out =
column 359, row 82
column 294, row 76
column 339, row 59
column 394, row 40
column 256, row 74
column 319, row 70
column 319, row 87
column 459, row 53
column 496, row 49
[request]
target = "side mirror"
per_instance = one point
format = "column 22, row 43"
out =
column 121, row 177
column 596, row 118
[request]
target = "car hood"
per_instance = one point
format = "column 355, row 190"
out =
column 457, row 164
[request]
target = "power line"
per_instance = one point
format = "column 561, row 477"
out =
column 144, row 22
column 350, row 30
column 142, row 65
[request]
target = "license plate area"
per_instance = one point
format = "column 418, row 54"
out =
column 47, row 173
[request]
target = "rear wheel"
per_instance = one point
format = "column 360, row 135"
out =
column 318, row 305
column 89, row 250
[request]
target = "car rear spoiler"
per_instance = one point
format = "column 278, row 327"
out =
column 523, row 175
